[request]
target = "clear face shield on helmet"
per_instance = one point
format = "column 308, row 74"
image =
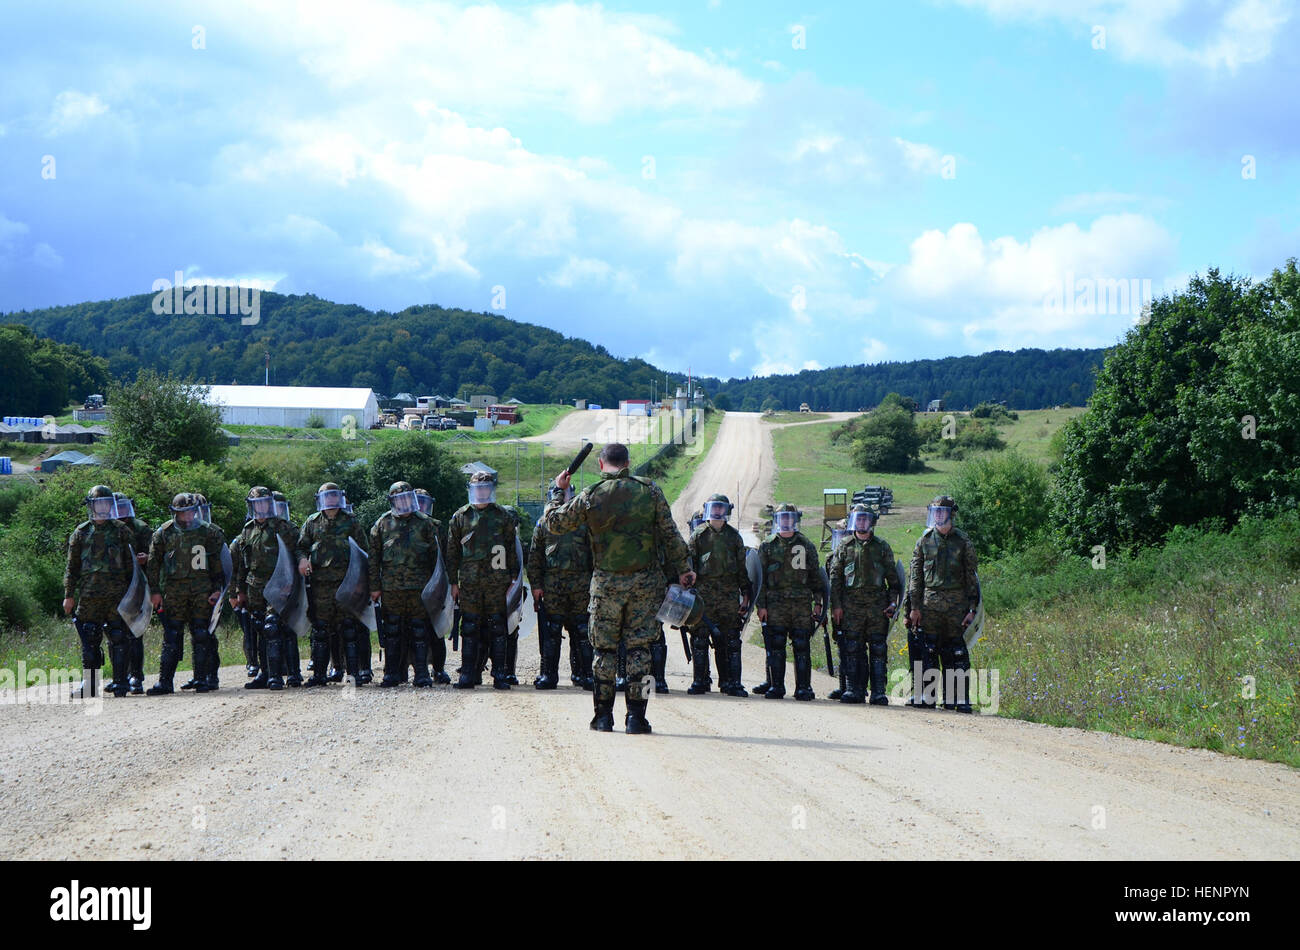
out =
column 785, row 522
column 482, row 493
column 425, row 502
column 282, row 510
column 186, row 518
column 102, row 509
column 331, row 498
column 205, row 513
column 259, row 509
column 716, row 511
column 861, row 521
column 125, row 508
column 936, row 516
column 403, row 503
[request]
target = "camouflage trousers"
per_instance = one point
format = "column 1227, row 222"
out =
column 322, row 608
column 623, row 608
column 721, row 605
column 789, row 611
column 98, row 604
column 942, row 613
column 186, row 602
column 567, row 593
column 863, row 617
column 483, row 590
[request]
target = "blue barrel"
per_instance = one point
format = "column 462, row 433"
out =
column 5, row 467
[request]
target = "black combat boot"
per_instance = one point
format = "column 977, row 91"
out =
column 603, row 721
column 420, row 660
column 838, row 693
column 879, row 671
column 469, row 675
column 701, row 682
column 658, row 663
column 762, row 688
column 260, row 678
column 352, row 655
column 212, row 671
column 851, row 664
column 394, row 659
column 775, row 669
column 274, row 659
column 365, row 655
column 438, row 659
column 320, row 654
column 335, row 675
column 135, row 679
column 734, row 686
column 119, row 654
column 620, row 678
column 635, row 721
column 923, row 652
column 202, row 660
column 575, row 660
column 803, row 670
column 500, row 661
column 549, row 645
column 168, row 658
column 588, row 657
column 512, row 654
column 292, row 661
column 956, row 675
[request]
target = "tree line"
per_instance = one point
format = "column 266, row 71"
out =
column 40, row 376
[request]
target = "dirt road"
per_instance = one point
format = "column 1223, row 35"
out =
column 595, row 425
column 375, row 773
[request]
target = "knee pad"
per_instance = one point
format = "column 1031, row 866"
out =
column 580, row 625
column 173, row 632
column 496, row 623
column 469, row 625
column 776, row 637
column 199, row 631
column 878, row 647
column 118, row 634
column 419, row 627
column 271, row 625
column 953, row 654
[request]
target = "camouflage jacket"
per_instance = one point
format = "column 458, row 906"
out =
column 568, row 553
column 790, row 566
column 259, row 552
column 719, row 558
column 99, row 555
column 627, row 519
column 403, row 551
column 942, row 562
column 862, row 566
column 324, row 541
column 178, row 556
column 472, row 534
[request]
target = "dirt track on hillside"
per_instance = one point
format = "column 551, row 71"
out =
column 369, row 773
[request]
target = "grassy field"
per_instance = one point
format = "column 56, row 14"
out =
column 22, row 451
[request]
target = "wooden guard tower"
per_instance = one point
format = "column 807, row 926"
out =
column 835, row 507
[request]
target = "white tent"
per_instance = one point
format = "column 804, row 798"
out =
column 292, row 406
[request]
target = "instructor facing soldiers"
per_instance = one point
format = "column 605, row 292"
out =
column 626, row 517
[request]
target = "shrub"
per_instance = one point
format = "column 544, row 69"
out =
column 1003, row 501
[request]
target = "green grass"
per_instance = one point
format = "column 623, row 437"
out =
column 22, row 451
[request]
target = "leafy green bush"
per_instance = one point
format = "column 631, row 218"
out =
column 159, row 417
column 1003, row 501
column 315, row 421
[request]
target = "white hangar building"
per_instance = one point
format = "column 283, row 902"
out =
column 292, row 405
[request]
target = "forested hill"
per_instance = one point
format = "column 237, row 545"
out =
column 1026, row 379
column 429, row 349
column 313, row 342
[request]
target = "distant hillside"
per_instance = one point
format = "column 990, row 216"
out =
column 1025, row 379
column 430, row 349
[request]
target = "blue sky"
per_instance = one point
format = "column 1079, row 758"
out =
column 737, row 188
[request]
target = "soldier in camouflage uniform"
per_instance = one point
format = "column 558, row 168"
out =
column 185, row 580
column 943, row 596
column 627, row 518
column 99, row 570
column 792, row 583
column 481, row 563
column 292, row 657
column 559, row 571
column 141, row 535
column 251, row 661
column 211, row 676
column 864, row 592
column 437, row 645
column 259, row 553
column 403, row 554
column 323, row 555
column 718, row 555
